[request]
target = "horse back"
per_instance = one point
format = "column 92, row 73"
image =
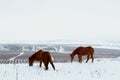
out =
column 46, row 56
column 90, row 50
column 86, row 50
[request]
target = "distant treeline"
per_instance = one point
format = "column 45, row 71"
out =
column 27, row 47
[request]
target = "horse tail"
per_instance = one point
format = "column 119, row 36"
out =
column 91, row 51
column 52, row 57
column 51, row 61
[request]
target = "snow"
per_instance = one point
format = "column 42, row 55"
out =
column 101, row 69
column 17, row 56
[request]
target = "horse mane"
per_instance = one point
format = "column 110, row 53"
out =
column 38, row 53
column 75, row 51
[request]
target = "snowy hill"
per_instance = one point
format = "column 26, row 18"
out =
column 56, row 45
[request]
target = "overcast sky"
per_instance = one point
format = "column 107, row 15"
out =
column 22, row 20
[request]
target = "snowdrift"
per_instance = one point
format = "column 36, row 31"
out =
column 101, row 69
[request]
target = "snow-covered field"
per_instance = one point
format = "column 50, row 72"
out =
column 101, row 69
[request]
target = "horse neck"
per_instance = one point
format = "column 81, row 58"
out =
column 74, row 53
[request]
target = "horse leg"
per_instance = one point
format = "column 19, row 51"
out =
column 52, row 65
column 92, row 58
column 87, row 58
column 40, row 63
column 80, row 58
column 46, row 66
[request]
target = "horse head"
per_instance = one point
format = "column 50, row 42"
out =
column 31, row 61
column 71, row 57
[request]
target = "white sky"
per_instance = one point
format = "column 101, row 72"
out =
column 22, row 20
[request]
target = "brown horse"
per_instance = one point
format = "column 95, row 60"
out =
column 81, row 51
column 42, row 56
